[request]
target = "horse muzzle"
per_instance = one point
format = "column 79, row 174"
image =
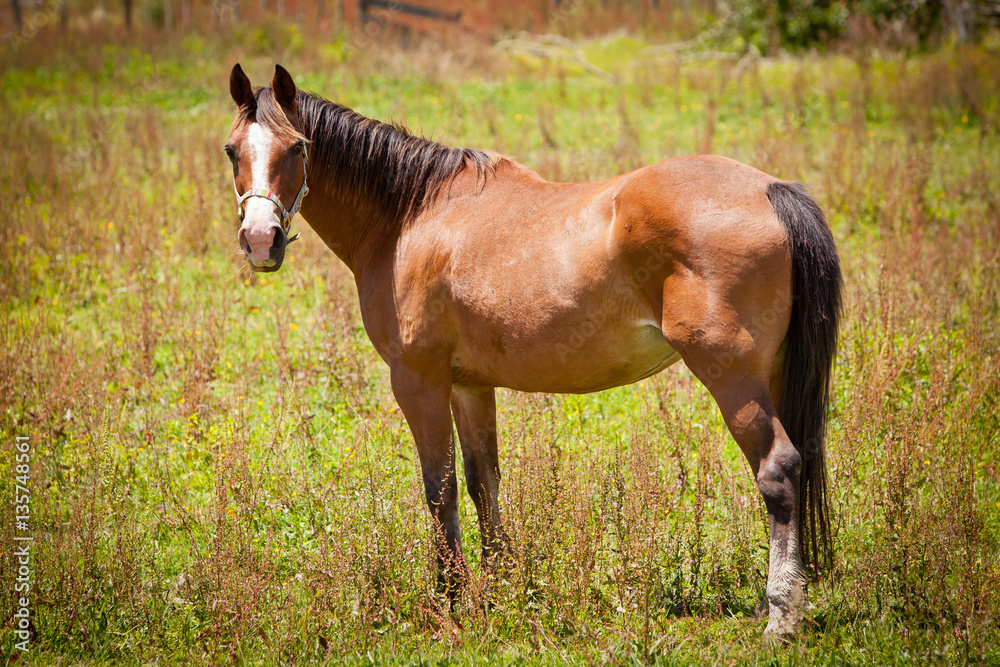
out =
column 264, row 251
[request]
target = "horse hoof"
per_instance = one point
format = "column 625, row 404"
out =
column 779, row 631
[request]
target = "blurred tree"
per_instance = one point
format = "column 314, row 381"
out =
column 791, row 24
column 924, row 20
column 796, row 24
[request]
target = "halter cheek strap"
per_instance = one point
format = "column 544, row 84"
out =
column 286, row 214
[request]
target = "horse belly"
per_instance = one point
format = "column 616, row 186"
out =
column 616, row 360
column 575, row 360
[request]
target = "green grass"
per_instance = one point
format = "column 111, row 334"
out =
column 220, row 473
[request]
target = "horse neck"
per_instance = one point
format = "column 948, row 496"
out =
column 375, row 177
column 351, row 226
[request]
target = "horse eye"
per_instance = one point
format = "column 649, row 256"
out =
column 297, row 149
column 231, row 152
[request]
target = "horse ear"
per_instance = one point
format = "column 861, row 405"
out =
column 239, row 86
column 284, row 88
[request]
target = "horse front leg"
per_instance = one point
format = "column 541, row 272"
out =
column 425, row 404
column 475, row 413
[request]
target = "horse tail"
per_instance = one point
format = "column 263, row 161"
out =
column 811, row 345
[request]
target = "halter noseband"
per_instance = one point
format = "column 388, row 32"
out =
column 286, row 214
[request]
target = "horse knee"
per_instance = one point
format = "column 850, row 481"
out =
column 474, row 483
column 473, row 476
column 482, row 478
column 441, row 494
column 782, row 463
column 778, row 480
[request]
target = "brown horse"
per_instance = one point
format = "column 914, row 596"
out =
column 475, row 273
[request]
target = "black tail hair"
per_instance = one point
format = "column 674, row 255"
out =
column 811, row 346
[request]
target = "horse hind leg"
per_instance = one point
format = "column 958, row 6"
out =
column 736, row 365
column 776, row 387
column 753, row 420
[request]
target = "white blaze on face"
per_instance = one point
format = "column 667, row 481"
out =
column 261, row 215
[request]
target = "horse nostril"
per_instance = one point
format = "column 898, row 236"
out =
column 280, row 241
column 244, row 244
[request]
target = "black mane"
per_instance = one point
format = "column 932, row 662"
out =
column 377, row 164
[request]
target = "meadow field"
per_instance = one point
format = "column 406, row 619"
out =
column 218, row 471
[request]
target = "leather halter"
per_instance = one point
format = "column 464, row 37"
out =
column 286, row 214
